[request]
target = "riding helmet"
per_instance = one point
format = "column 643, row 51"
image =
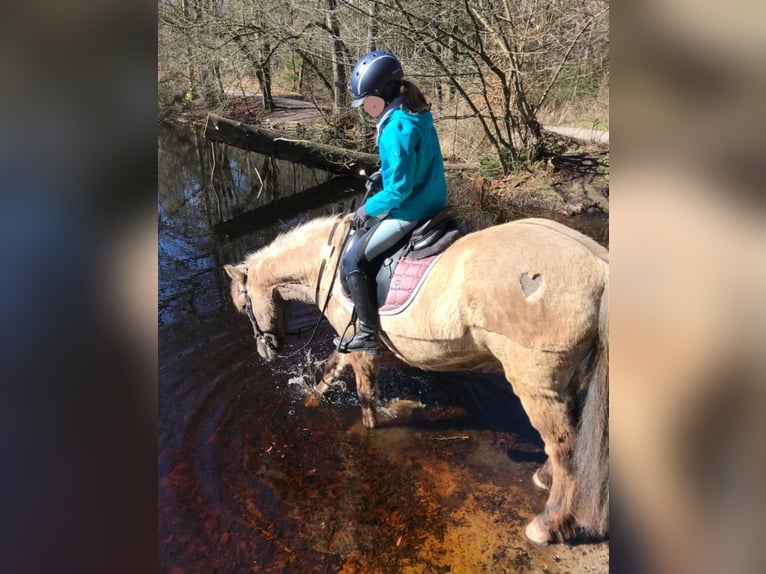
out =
column 372, row 75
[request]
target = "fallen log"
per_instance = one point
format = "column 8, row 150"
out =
column 313, row 154
column 336, row 160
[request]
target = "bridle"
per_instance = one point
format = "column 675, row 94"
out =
column 326, row 254
column 258, row 333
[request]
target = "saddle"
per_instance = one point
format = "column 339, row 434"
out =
column 399, row 271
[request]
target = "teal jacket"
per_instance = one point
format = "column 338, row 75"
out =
column 411, row 166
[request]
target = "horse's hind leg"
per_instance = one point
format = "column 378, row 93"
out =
column 543, row 476
column 550, row 416
column 545, row 393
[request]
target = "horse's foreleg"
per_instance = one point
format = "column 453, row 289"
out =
column 332, row 370
column 366, row 369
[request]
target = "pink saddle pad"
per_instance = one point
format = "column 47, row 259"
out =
column 407, row 279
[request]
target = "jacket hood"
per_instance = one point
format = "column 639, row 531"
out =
column 397, row 106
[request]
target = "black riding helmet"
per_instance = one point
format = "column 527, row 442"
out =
column 374, row 75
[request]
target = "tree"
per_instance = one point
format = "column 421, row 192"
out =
column 500, row 61
column 372, row 25
column 245, row 23
column 188, row 65
column 338, row 51
column 501, row 58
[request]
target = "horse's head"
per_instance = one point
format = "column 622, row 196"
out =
column 267, row 310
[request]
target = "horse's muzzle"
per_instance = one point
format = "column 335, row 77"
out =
column 268, row 347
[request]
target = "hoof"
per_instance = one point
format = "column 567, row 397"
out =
column 537, row 532
column 312, row 400
column 537, row 479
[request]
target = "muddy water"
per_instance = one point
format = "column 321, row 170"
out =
column 252, row 479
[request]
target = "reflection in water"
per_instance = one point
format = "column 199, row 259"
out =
column 253, row 480
column 191, row 203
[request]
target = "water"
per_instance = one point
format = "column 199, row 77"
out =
column 253, row 479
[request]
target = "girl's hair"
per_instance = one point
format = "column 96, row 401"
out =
column 416, row 101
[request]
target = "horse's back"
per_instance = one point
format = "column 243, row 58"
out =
column 533, row 280
column 531, row 246
column 562, row 230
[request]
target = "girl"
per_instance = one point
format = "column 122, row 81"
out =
column 411, row 174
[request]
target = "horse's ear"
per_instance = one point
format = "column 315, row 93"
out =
column 236, row 273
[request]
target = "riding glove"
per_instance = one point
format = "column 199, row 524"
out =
column 360, row 217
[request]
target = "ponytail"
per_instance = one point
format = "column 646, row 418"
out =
column 416, row 101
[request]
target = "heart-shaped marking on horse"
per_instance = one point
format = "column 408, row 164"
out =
column 530, row 284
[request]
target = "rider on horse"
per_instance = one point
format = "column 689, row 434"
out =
column 411, row 177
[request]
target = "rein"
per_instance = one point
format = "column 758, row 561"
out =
column 326, row 254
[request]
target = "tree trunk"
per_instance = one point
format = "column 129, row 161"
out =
column 330, row 158
column 338, row 69
column 308, row 60
column 264, row 76
column 322, row 156
column 372, row 25
column 261, row 65
column 219, row 79
column 301, row 77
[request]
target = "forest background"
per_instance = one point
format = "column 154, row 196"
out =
column 495, row 71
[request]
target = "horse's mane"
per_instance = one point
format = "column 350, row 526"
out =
column 289, row 239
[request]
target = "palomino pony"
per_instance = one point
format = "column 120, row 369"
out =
column 531, row 294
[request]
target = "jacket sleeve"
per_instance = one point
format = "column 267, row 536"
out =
column 397, row 166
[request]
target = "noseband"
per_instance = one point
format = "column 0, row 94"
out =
column 258, row 333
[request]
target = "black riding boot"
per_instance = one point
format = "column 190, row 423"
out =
column 366, row 338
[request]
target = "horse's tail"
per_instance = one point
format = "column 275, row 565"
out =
column 592, row 451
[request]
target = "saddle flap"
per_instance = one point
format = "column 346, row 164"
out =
column 426, row 239
column 443, row 216
column 439, row 243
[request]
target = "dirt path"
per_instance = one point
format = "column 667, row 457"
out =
column 585, row 134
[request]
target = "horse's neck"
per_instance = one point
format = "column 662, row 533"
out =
column 294, row 277
column 293, row 271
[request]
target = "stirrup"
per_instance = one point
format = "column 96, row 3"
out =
column 369, row 344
